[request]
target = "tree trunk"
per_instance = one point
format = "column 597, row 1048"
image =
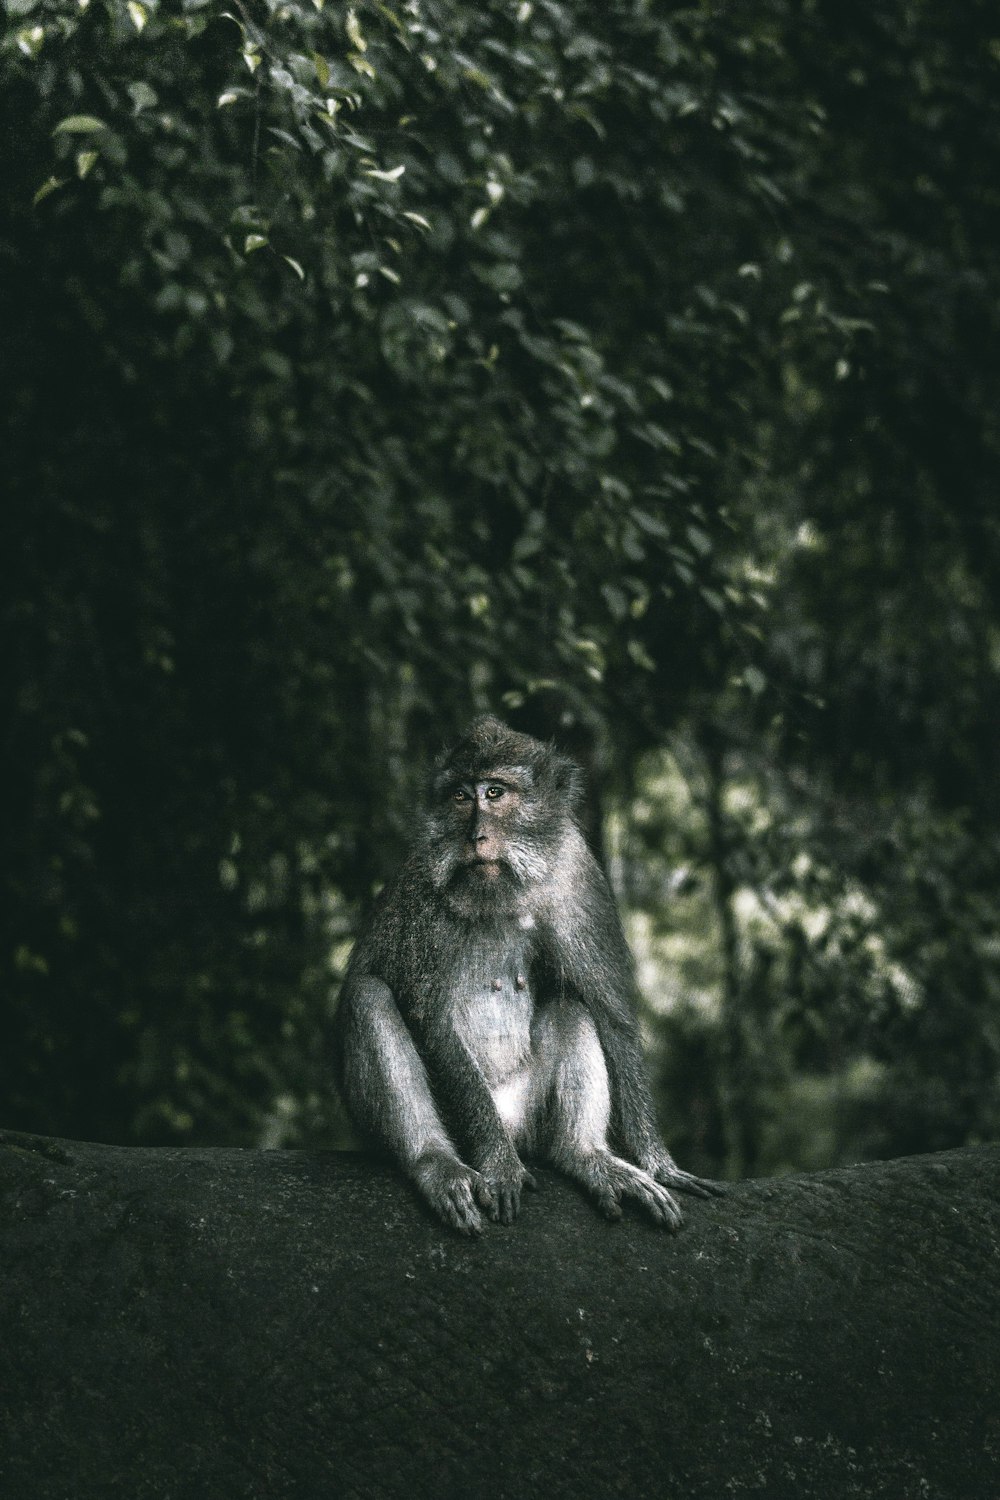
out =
column 256, row 1325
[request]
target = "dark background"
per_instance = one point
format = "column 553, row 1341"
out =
column 629, row 370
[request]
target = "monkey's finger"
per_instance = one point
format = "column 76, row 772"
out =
column 498, row 1206
column 460, row 1210
column 464, row 1217
column 529, row 1182
column 510, row 1204
column 482, row 1192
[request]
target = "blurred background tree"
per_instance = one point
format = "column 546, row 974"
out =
column 629, row 370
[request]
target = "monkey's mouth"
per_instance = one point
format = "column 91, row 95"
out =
column 484, row 869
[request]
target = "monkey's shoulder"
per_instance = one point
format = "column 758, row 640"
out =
column 406, row 933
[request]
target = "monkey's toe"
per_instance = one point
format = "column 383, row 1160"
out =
column 686, row 1182
column 634, row 1183
column 609, row 1205
column 662, row 1209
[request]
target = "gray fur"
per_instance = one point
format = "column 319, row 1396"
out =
column 488, row 1009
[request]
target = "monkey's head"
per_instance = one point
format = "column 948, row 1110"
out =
column 501, row 805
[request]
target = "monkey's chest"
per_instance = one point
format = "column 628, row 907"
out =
column 494, row 1019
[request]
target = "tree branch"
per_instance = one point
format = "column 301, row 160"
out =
column 268, row 1324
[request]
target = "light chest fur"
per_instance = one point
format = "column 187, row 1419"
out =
column 492, row 1007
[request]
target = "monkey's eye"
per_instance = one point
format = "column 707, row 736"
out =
column 459, row 796
column 493, row 792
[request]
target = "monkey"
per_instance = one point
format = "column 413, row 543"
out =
column 488, row 1009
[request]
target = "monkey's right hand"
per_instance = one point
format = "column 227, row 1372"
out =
column 453, row 1190
column 505, row 1175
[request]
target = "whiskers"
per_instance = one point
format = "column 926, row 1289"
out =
column 526, row 861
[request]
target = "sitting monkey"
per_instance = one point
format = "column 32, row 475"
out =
column 488, row 1007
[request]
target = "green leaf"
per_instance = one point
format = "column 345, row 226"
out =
column 616, row 600
column 79, row 125
column 392, row 175
column 641, row 656
column 354, row 32
column 30, row 40
column 48, row 186
column 501, row 276
column 27, row 962
column 142, row 96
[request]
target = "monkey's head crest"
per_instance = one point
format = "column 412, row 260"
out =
column 489, row 746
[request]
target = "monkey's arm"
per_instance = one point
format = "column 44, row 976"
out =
column 468, row 1106
column 398, row 1010
column 384, row 1085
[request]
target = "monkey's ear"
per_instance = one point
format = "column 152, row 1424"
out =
column 567, row 780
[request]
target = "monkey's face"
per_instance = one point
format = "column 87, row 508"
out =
column 501, row 809
column 485, row 849
column 484, row 815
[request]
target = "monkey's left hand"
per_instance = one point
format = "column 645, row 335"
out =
column 505, row 1176
column 665, row 1170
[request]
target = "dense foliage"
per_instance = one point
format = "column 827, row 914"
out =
column 627, row 368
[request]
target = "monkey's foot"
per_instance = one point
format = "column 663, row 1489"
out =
column 670, row 1175
column 610, row 1179
column 453, row 1190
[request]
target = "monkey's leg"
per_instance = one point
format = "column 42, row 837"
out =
column 388, row 1096
column 633, row 1121
column 579, row 1111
